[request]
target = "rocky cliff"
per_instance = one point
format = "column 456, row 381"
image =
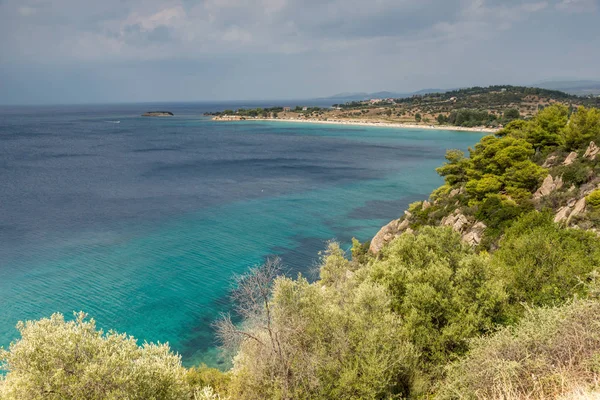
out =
column 567, row 201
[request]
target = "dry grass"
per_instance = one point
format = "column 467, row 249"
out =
column 552, row 353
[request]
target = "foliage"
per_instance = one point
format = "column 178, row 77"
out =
column 544, row 264
column 58, row 359
column 335, row 340
column 511, row 114
column 498, row 213
column 455, row 168
column 584, row 126
column 593, row 199
column 501, row 165
column 211, row 380
column 551, row 352
column 548, row 127
column 470, row 118
column 444, row 291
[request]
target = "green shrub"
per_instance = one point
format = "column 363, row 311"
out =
column 335, row 338
column 498, row 213
column 443, row 290
column 593, row 199
column 58, row 359
column 202, row 377
column 576, row 174
column 544, row 264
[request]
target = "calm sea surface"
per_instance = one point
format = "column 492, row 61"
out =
column 143, row 223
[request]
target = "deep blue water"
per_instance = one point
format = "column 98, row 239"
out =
column 143, row 223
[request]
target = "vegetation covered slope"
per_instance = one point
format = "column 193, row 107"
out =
column 491, row 107
column 487, row 290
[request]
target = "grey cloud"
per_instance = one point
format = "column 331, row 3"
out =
column 326, row 45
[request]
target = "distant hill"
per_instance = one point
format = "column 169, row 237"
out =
column 574, row 87
column 579, row 88
column 357, row 96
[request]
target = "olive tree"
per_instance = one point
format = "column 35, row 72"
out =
column 58, row 359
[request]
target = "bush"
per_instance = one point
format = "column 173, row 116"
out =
column 443, row 290
column 576, row 174
column 204, row 377
column 335, row 338
column 544, row 264
column 593, row 199
column 498, row 213
column 56, row 359
column 550, row 353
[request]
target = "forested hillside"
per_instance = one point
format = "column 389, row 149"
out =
column 486, row 290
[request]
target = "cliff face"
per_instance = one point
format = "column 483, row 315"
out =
column 564, row 191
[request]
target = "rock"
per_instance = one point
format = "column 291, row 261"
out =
column 562, row 214
column 157, row 114
column 591, row 151
column 570, row 158
column 473, row 237
column 548, row 186
column 587, row 188
column 461, row 222
column 571, row 203
column 457, row 221
column 388, row 233
column 456, row 192
column 549, row 161
column 578, row 209
column 426, row 205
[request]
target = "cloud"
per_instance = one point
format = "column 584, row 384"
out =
column 330, row 45
column 27, row 11
column 576, row 6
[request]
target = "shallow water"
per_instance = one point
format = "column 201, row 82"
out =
column 143, row 223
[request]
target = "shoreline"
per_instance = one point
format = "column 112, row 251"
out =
column 400, row 125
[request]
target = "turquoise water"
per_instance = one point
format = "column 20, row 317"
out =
column 143, row 226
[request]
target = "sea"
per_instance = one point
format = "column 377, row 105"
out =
column 143, row 223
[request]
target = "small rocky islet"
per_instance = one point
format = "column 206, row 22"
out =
column 158, row 114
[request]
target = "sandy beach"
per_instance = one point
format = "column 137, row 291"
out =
column 366, row 123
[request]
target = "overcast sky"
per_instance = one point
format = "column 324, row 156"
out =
column 72, row 51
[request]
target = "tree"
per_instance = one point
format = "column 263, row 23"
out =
column 548, row 127
column 58, row 359
column 454, row 170
column 442, row 119
column 336, row 338
column 498, row 164
column 511, row 114
column 583, row 127
column 418, row 117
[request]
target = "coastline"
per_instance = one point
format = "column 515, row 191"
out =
column 400, row 125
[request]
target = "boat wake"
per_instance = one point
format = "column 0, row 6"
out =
column 113, row 122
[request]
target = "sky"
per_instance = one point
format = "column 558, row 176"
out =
column 84, row 51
